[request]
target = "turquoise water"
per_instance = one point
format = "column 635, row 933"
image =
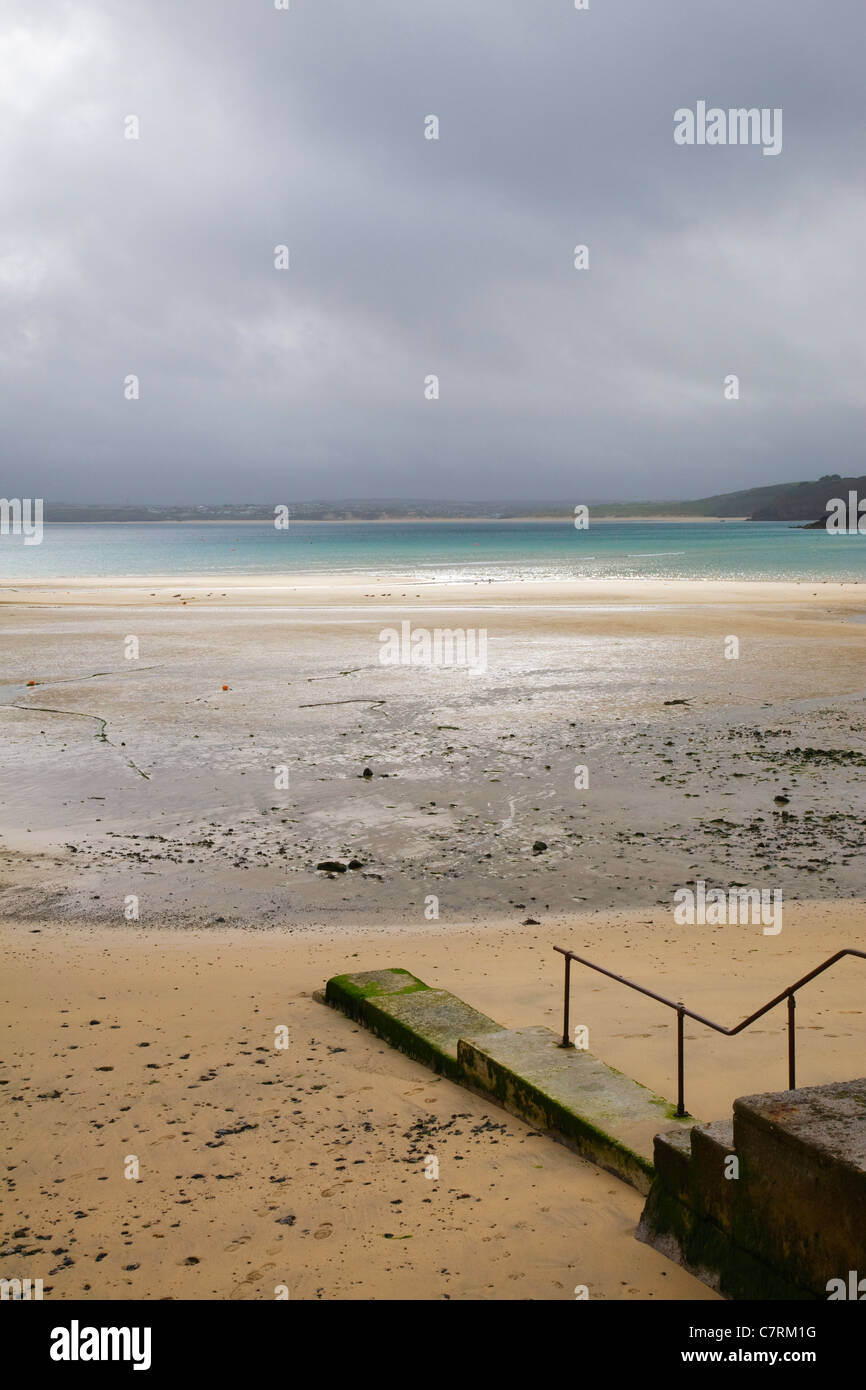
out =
column 442, row 551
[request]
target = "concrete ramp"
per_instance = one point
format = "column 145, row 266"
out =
column 422, row 1022
column 573, row 1096
column 605, row 1115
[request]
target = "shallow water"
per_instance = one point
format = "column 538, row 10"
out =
column 442, row 552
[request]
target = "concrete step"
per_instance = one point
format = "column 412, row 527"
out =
column 788, row 1221
column 422, row 1022
column 606, row 1116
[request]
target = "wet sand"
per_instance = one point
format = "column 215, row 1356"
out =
column 145, row 778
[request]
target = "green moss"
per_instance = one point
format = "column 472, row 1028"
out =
column 405, row 1037
column 372, row 987
column 349, row 991
column 707, row 1250
column 365, row 997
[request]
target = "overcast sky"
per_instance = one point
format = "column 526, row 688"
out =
column 410, row 257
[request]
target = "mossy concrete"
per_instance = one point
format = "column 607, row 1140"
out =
column 793, row 1217
column 606, row 1116
column 424, row 1023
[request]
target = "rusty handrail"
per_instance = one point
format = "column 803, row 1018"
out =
column 682, row 1012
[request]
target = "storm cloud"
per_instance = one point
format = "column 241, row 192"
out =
column 305, row 127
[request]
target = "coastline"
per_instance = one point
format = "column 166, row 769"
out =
column 382, row 520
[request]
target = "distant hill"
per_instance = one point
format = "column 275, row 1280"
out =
column 795, row 502
column 803, row 501
column 775, row 502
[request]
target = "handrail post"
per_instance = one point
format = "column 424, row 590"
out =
column 681, row 1011
column 681, row 1106
column 566, row 1041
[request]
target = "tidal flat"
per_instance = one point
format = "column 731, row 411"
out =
column 609, row 752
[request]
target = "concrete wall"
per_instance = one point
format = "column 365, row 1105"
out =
column 788, row 1216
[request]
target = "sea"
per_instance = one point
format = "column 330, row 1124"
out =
column 440, row 552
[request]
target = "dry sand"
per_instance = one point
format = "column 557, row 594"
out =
column 158, row 1040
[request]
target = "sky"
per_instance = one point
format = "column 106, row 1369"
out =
column 411, row 257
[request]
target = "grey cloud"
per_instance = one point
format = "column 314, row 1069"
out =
column 411, row 257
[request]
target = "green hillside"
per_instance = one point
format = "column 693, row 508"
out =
column 805, row 501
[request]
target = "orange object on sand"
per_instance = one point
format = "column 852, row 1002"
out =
column 225, row 687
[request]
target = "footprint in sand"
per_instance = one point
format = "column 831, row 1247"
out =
column 256, row 1274
column 323, row 1232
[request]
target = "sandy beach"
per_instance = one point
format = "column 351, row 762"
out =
column 305, row 1166
column 144, row 780
column 325, row 1191
column 432, row 580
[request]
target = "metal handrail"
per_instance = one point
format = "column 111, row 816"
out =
column 682, row 1012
